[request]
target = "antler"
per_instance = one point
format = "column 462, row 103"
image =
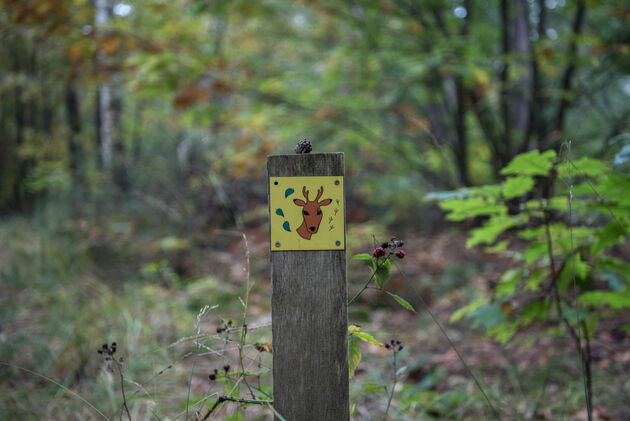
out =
column 320, row 191
column 305, row 193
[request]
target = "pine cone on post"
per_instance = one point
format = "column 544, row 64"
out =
column 303, row 146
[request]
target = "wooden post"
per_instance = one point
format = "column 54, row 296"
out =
column 309, row 298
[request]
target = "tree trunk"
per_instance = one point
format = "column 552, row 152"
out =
column 520, row 97
column 567, row 77
column 74, row 122
column 105, row 112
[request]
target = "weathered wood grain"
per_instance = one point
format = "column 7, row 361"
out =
column 309, row 315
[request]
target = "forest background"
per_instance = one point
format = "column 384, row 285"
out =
column 133, row 144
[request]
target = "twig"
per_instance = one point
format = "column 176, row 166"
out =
column 584, row 364
column 391, row 395
column 122, row 386
column 369, row 280
column 224, row 398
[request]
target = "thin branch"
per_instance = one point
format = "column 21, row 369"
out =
column 558, row 302
column 391, row 395
column 224, row 398
column 122, row 386
column 369, row 280
column 452, row 345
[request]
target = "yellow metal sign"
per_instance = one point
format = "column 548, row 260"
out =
column 307, row 213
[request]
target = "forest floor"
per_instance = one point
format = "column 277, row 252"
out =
column 70, row 289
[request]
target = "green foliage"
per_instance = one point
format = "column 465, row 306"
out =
column 568, row 243
column 354, row 356
column 382, row 271
column 401, row 301
column 531, row 163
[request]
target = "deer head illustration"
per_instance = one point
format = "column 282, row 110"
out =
column 311, row 213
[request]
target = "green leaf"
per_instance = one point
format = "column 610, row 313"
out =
column 488, row 316
column 575, row 315
column 536, row 310
column 509, row 282
column 491, row 230
column 401, row 301
column 373, row 387
column 615, row 265
column 499, row 247
column 467, row 309
column 534, row 280
column 612, row 233
column 383, row 273
column 535, row 251
column 616, row 300
column 503, row 332
column 531, row 163
column 517, row 186
column 353, row 328
column 362, row 256
column 366, row 337
column 574, row 266
column 588, row 167
column 531, row 233
column 354, row 356
column 461, row 209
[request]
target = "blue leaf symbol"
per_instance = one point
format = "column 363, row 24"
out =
column 286, row 226
column 288, row 192
column 279, row 212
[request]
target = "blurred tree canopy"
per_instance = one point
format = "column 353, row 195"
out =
column 150, row 96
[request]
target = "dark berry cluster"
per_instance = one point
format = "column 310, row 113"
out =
column 393, row 246
column 395, row 345
column 213, row 376
column 303, row 146
column 108, row 349
column 224, row 326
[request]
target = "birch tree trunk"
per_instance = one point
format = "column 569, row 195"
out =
column 105, row 112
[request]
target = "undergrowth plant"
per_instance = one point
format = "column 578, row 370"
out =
column 562, row 223
column 235, row 382
column 238, row 374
